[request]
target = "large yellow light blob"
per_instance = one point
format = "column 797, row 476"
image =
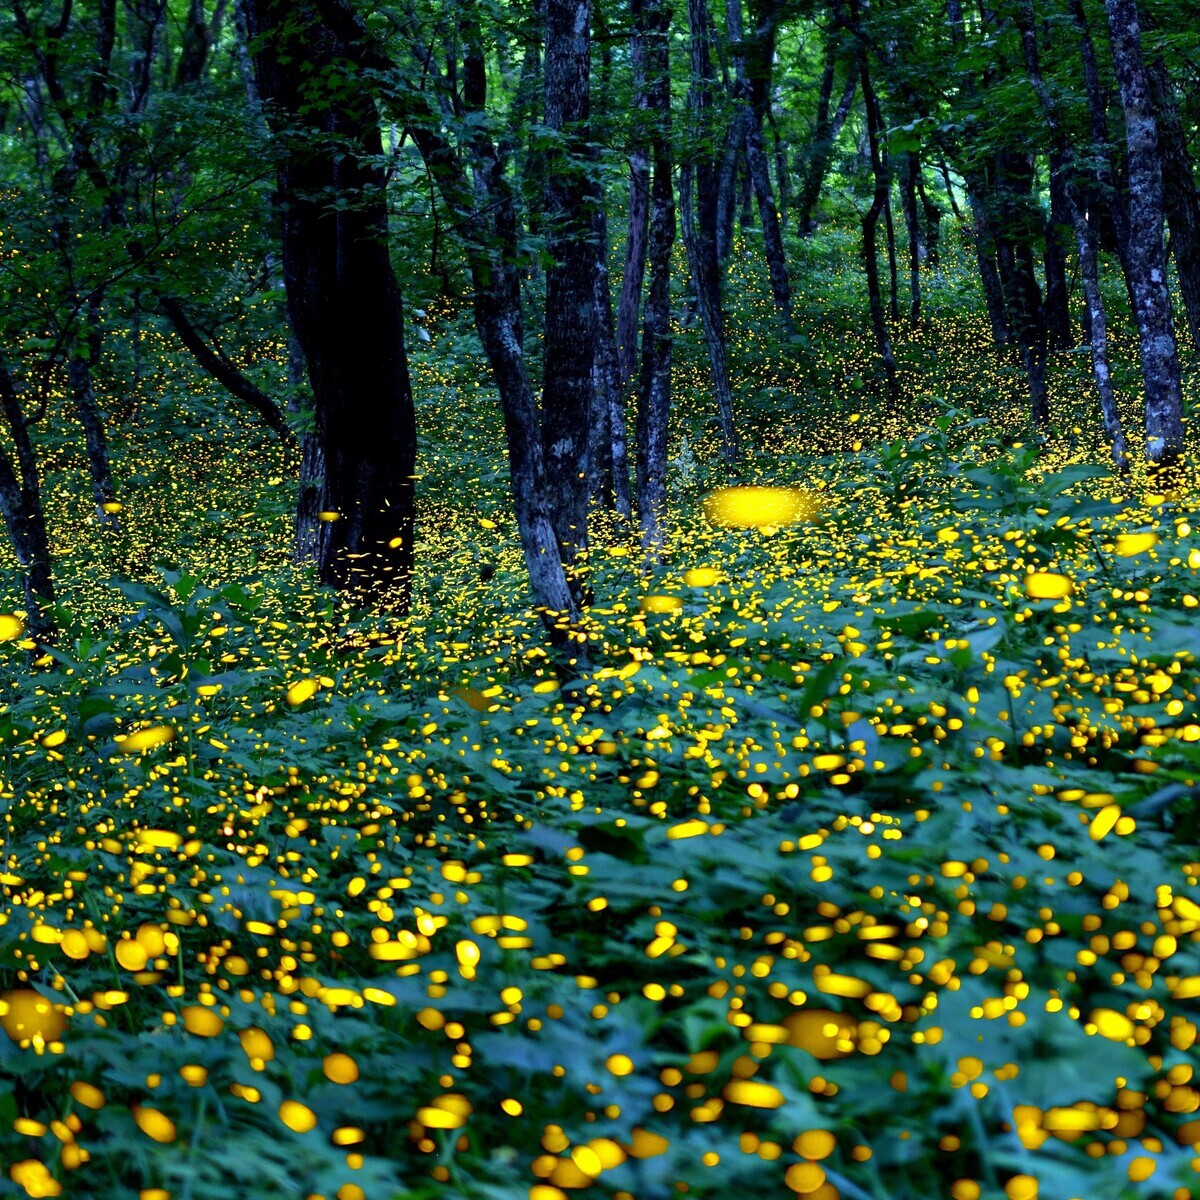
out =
column 11, row 626
column 146, row 739
column 26, row 1014
column 1047, row 585
column 760, row 507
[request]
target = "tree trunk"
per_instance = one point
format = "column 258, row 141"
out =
column 484, row 204
column 1147, row 261
column 634, row 275
column 1180, row 197
column 24, row 517
column 727, row 180
column 607, row 453
column 1058, row 307
column 912, row 224
column 933, row 227
column 889, row 229
column 343, row 298
column 654, row 398
column 752, row 59
column 870, row 226
column 1062, row 163
column 569, row 341
column 1017, row 220
column 985, row 256
column 698, row 210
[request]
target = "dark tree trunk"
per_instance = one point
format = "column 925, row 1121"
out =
column 933, row 227
column 912, row 224
column 569, row 342
column 222, row 369
column 985, row 256
column 698, row 209
column 343, row 298
column 484, row 204
column 824, row 140
column 1058, row 227
column 654, row 392
column 24, row 516
column 608, row 453
column 889, row 229
column 727, row 181
column 944, row 170
column 1018, row 220
column 870, row 227
column 79, row 376
column 753, row 58
column 634, row 275
column 1146, row 259
column 1062, row 163
column 1180, row 198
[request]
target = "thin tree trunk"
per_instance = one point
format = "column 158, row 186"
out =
column 890, row 236
column 985, row 256
column 1147, row 261
column 727, row 181
column 222, row 370
column 1058, row 308
column 870, row 226
column 698, row 209
column 945, row 173
column 752, row 66
column 912, row 225
column 608, row 456
column 572, row 201
column 24, row 517
column 654, row 398
column 1085, row 236
column 485, row 204
column 1180, row 198
column 933, row 227
column 634, row 275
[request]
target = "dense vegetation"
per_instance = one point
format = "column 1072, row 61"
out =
column 836, row 835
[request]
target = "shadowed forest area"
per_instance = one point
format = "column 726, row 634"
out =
column 599, row 599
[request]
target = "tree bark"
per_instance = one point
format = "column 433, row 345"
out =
column 24, row 516
column 912, row 224
column 608, row 455
column 870, row 226
column 1058, row 308
column 569, row 340
column 1147, row 261
column 753, row 58
column 654, row 398
column 343, row 298
column 698, row 211
column 1085, row 234
column 1180, row 198
column 634, row 275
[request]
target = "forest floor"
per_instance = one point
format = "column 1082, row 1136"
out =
column 862, row 862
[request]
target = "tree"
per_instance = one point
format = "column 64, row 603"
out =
column 343, row 298
column 1146, row 260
